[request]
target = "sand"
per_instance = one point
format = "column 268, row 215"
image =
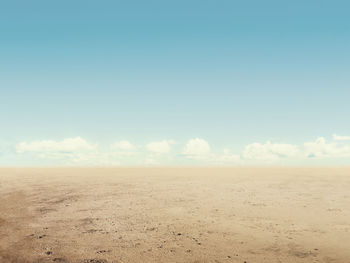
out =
column 99, row 215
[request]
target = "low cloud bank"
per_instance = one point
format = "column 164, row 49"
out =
column 160, row 147
column 197, row 151
column 269, row 151
column 341, row 138
column 66, row 145
column 123, row 145
column 321, row 149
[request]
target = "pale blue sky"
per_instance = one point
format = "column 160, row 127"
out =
column 231, row 73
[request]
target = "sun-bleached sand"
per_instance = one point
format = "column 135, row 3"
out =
column 92, row 215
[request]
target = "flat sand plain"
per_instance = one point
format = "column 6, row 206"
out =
column 99, row 215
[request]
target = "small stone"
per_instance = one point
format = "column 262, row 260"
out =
column 59, row 260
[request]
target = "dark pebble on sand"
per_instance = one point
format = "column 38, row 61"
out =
column 59, row 260
column 94, row 261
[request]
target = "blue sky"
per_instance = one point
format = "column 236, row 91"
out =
column 254, row 80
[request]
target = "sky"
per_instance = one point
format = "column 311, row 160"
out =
column 232, row 83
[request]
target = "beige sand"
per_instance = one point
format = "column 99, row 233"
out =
column 175, row 215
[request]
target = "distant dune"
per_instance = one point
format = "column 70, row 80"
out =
column 100, row 215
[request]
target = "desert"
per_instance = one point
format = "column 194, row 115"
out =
column 99, row 215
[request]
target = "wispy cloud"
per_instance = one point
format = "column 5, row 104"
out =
column 321, row 149
column 67, row 145
column 341, row 138
column 123, row 145
column 160, row 147
column 269, row 151
column 227, row 158
column 71, row 151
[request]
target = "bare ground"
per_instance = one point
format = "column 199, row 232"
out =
column 106, row 215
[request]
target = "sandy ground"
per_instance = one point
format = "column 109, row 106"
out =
column 99, row 215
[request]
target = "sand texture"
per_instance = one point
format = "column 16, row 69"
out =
column 106, row 215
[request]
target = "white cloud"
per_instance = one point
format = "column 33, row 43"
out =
column 160, row 147
column 77, row 151
column 123, row 145
column 341, row 138
column 321, row 149
column 226, row 151
column 67, row 145
column 151, row 161
column 197, row 148
column 269, row 151
column 90, row 158
column 227, row 158
column 71, row 151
